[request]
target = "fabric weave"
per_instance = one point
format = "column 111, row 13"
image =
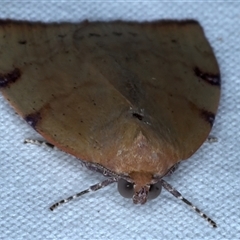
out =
column 32, row 177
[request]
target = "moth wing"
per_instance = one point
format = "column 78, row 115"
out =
column 93, row 88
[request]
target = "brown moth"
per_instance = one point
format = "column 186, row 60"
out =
column 131, row 100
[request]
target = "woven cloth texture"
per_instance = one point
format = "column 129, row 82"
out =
column 32, row 177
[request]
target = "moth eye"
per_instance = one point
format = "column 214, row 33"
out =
column 155, row 190
column 125, row 188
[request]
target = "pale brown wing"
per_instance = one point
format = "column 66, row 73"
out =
column 119, row 94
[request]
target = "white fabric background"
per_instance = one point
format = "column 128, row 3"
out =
column 32, row 177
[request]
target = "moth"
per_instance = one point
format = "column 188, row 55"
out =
column 131, row 100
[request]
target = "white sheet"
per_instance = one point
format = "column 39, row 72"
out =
column 32, row 177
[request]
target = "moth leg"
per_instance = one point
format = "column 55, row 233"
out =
column 178, row 195
column 92, row 188
column 211, row 139
column 38, row 142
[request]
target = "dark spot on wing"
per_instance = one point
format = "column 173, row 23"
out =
column 138, row 116
column 208, row 116
column 23, row 42
column 213, row 79
column 9, row 78
column 33, row 119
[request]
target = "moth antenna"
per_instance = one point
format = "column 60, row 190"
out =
column 92, row 188
column 178, row 195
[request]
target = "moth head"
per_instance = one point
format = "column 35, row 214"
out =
column 140, row 193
